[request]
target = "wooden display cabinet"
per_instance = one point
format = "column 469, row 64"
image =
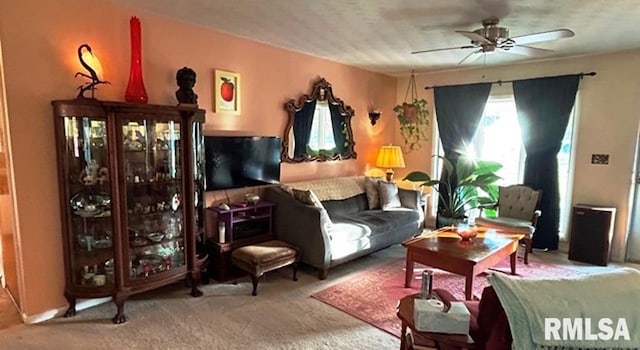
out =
column 131, row 180
column 243, row 225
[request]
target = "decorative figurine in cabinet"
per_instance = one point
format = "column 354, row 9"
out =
column 131, row 179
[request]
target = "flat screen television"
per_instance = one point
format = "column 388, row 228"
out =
column 241, row 161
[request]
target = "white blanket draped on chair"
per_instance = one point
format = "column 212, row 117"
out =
column 611, row 295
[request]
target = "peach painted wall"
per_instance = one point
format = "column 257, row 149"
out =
column 39, row 41
column 608, row 115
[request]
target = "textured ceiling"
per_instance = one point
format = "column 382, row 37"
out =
column 378, row 35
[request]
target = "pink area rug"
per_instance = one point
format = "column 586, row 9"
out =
column 373, row 295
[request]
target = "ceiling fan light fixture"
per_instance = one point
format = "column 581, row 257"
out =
column 494, row 34
column 491, row 38
column 488, row 48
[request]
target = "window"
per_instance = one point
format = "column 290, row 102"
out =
column 499, row 139
column 321, row 137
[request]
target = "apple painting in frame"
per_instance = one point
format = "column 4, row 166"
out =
column 226, row 92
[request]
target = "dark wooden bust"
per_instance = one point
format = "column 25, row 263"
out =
column 186, row 79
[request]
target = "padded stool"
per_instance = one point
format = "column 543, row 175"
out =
column 263, row 257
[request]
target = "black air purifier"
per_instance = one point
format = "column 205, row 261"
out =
column 591, row 232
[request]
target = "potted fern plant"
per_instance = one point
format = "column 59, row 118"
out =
column 468, row 185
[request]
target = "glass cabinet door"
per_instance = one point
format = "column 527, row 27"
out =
column 152, row 164
column 88, row 196
column 198, row 185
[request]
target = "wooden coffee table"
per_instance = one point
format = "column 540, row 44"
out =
column 444, row 250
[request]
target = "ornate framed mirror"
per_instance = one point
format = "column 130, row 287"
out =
column 319, row 127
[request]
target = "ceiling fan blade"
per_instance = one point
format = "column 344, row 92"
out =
column 544, row 36
column 474, row 37
column 528, row 51
column 471, row 57
column 448, row 48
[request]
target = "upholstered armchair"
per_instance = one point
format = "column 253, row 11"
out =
column 516, row 213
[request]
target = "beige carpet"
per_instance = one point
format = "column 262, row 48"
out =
column 282, row 316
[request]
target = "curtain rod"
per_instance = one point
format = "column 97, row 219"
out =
column 500, row 82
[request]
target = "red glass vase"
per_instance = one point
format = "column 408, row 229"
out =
column 135, row 89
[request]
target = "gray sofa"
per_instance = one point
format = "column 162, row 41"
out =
column 350, row 230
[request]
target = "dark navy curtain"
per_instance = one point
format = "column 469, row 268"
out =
column 459, row 109
column 302, row 128
column 337, row 123
column 544, row 107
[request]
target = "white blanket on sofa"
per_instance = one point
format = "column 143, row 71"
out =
column 576, row 310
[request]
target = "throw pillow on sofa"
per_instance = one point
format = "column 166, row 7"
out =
column 389, row 197
column 310, row 198
column 371, row 188
column 287, row 189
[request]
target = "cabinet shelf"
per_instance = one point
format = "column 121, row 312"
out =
column 144, row 150
column 237, row 219
column 243, row 225
column 95, row 253
column 149, row 243
column 94, row 145
column 77, row 217
column 172, row 181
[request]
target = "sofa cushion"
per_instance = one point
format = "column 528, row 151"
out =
column 346, row 206
column 507, row 224
column 305, row 196
column 369, row 223
column 389, row 197
column 371, row 188
column 310, row 198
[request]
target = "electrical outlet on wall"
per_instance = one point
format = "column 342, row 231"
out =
column 602, row 159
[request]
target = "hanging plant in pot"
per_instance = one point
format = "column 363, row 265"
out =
column 413, row 116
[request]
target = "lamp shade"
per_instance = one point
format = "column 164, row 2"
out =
column 390, row 157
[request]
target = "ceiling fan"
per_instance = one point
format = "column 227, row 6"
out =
column 492, row 38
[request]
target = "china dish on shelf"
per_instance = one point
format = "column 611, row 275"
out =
column 155, row 237
column 89, row 213
column 104, row 242
column 87, row 204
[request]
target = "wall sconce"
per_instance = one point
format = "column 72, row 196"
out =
column 374, row 116
column 91, row 63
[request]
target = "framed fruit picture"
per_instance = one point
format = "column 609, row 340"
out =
column 226, row 92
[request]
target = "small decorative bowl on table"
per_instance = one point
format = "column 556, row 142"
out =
column 466, row 232
column 251, row 198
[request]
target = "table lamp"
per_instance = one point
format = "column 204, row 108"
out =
column 390, row 157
